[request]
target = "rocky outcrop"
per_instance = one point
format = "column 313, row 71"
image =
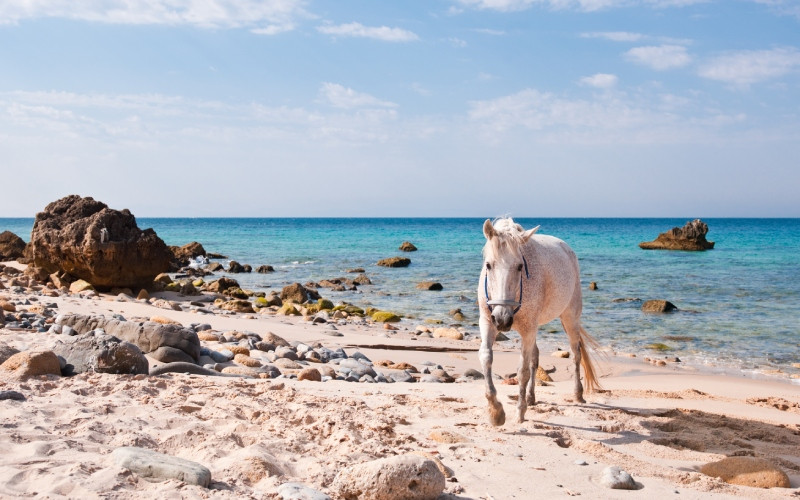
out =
column 407, row 246
column 691, row 237
column 101, row 354
column 11, row 246
column 166, row 343
column 90, row 241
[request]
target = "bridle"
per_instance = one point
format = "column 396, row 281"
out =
column 516, row 304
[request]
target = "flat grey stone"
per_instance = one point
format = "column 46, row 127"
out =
column 298, row 491
column 158, row 466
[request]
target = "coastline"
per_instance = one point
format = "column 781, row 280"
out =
column 659, row 423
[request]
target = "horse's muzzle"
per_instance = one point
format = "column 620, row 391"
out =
column 502, row 319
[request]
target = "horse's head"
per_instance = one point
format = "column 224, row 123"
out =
column 504, row 268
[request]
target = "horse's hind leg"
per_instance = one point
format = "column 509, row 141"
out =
column 572, row 326
column 488, row 332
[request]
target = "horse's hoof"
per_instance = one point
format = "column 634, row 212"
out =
column 579, row 399
column 497, row 415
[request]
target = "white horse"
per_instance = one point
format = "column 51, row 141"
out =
column 528, row 280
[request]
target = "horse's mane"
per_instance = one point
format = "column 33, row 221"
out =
column 509, row 234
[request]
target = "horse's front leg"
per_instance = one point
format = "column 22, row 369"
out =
column 488, row 332
column 526, row 373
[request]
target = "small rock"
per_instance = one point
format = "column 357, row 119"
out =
column 404, row 477
column 311, row 374
column 593, row 285
column 13, row 395
column 747, row 471
column 153, row 465
column 617, row 479
column 297, row 491
column 448, row 333
column 658, row 306
column 430, row 285
column 560, row 354
column 395, row 262
column 407, row 246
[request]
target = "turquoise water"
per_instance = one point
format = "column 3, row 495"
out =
column 739, row 303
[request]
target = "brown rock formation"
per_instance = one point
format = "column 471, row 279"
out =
column 90, row 241
column 11, row 246
column 691, row 237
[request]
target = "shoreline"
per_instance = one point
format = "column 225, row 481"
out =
column 659, row 423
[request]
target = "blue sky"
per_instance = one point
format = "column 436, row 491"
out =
column 574, row 108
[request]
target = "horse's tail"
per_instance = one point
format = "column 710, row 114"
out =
column 592, row 383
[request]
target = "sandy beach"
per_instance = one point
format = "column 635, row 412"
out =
column 660, row 424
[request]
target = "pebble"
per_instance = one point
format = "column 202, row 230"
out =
column 298, row 491
column 617, row 479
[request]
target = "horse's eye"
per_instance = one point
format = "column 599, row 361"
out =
column 519, row 267
column 488, row 266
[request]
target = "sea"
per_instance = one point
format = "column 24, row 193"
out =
column 738, row 304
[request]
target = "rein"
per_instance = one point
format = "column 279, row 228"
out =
column 516, row 304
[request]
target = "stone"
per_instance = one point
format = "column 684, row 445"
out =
column 148, row 336
column 298, row 293
column 185, row 255
column 593, row 285
column 79, row 286
column 6, row 351
column 448, row 333
column 658, row 306
column 311, row 374
column 142, row 295
column 90, row 241
column 430, row 285
column 297, row 491
column 12, row 395
column 407, row 246
column 12, row 247
column 691, row 237
column 244, row 359
column 222, row 284
column 747, row 471
column 560, row 354
column 265, row 269
column 28, row 364
column 288, row 309
column 385, row 317
column 617, row 479
column 395, row 262
column 403, row 477
column 362, row 279
column 235, row 267
column 101, row 354
column 239, row 306
column 158, row 466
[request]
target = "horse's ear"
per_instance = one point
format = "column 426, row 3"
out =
column 488, row 230
column 530, row 232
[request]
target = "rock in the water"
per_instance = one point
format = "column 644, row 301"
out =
column 12, row 247
column 691, row 237
column 152, row 465
column 395, row 262
column 185, row 255
column 90, row 241
column 617, row 479
column 102, row 354
column 658, row 306
column 404, row 477
column 430, row 285
column 407, row 246
column 747, row 471
column 298, row 491
column 265, row 269
column 31, row 364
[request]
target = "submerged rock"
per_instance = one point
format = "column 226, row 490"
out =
column 395, row 262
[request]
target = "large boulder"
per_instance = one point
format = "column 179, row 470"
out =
column 404, row 477
column 166, row 343
column 298, row 293
column 90, row 241
column 11, row 246
column 102, row 354
column 28, row 364
column 692, row 237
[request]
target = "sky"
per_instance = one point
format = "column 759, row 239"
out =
column 412, row 108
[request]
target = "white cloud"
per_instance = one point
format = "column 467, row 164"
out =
column 582, row 5
column 600, row 80
column 783, row 7
column 457, row 42
column 752, row 66
column 383, row 33
column 615, row 36
column 263, row 14
column 340, row 96
column 660, row 57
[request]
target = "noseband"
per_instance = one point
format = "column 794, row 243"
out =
column 516, row 304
